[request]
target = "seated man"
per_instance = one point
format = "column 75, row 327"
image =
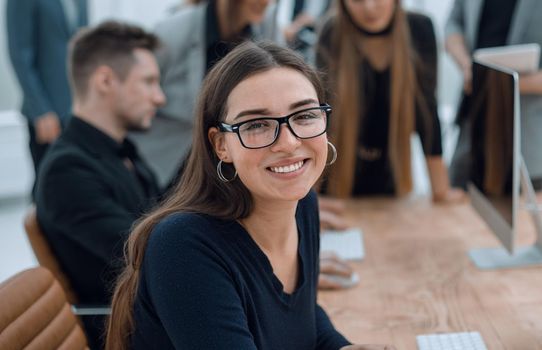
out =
column 92, row 184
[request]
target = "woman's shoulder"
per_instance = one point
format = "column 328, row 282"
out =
column 422, row 34
column 179, row 26
column 183, row 219
column 326, row 30
column 178, row 229
column 421, row 26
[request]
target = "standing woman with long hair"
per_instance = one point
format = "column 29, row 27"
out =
column 381, row 66
column 230, row 259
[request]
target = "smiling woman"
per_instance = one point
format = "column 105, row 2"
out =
column 234, row 264
column 267, row 148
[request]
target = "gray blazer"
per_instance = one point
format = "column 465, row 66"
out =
column 526, row 27
column 182, row 58
column 182, row 61
column 38, row 35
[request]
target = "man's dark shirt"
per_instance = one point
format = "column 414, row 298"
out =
column 90, row 191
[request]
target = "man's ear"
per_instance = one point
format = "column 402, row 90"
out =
column 218, row 141
column 103, row 79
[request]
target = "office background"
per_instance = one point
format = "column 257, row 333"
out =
column 15, row 163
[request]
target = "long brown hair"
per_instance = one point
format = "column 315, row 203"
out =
column 346, row 81
column 200, row 189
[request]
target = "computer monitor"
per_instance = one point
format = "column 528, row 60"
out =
column 497, row 167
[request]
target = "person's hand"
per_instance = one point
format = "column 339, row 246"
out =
column 453, row 195
column 290, row 33
column 368, row 347
column 302, row 20
column 47, row 128
column 331, row 214
column 332, row 265
column 531, row 83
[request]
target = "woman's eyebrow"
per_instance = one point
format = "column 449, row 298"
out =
column 261, row 111
column 302, row 103
column 265, row 111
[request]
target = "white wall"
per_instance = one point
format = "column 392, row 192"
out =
column 142, row 12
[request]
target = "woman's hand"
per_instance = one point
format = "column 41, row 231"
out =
column 331, row 265
column 453, row 195
column 331, row 213
column 531, row 83
column 440, row 183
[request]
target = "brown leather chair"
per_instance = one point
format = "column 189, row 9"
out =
column 47, row 259
column 35, row 314
column 44, row 254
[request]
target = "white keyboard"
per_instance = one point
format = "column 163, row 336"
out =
column 451, row 341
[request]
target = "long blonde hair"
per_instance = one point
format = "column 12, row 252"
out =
column 346, row 81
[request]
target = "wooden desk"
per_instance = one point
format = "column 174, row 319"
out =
column 416, row 278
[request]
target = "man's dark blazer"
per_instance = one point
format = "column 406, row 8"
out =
column 87, row 200
column 38, row 36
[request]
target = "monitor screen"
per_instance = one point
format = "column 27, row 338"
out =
column 492, row 138
column 494, row 167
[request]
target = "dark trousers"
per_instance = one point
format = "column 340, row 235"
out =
column 461, row 161
column 37, row 151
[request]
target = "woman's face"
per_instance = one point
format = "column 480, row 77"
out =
column 287, row 169
column 371, row 15
column 252, row 11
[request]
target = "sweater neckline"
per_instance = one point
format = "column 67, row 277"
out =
column 288, row 299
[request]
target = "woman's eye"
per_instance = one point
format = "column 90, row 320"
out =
column 305, row 117
column 255, row 125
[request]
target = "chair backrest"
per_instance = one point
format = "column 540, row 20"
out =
column 35, row 314
column 44, row 253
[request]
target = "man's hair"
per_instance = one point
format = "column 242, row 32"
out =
column 110, row 43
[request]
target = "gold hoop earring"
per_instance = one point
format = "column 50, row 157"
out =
column 221, row 175
column 334, row 150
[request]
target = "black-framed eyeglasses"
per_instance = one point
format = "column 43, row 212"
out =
column 263, row 132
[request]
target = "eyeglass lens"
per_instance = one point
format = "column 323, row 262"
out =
column 263, row 132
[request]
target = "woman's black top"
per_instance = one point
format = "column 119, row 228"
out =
column 217, row 48
column 205, row 284
column 373, row 174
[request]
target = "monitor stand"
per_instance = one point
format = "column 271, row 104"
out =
column 500, row 258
